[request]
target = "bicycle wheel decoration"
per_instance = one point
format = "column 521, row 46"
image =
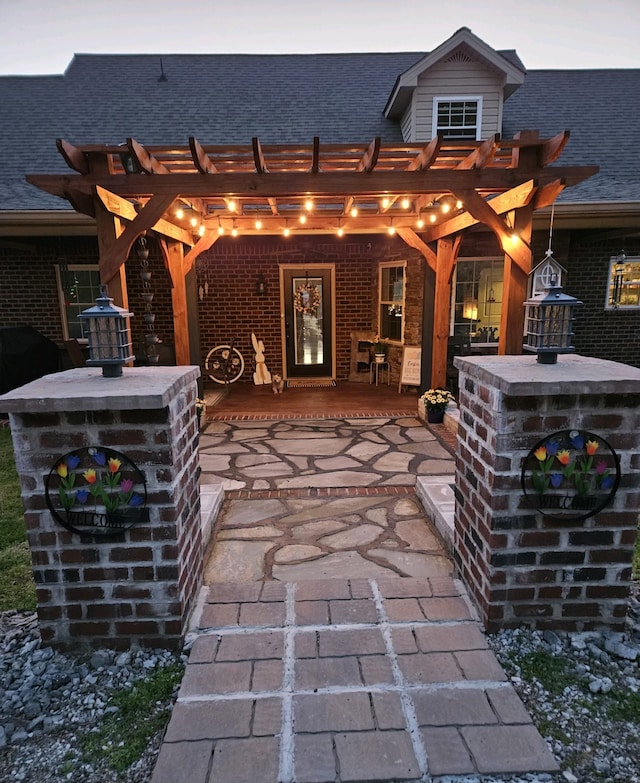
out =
column 224, row 364
column 97, row 492
column 570, row 475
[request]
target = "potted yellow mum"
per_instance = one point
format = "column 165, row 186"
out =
column 435, row 403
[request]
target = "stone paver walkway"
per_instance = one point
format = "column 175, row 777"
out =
column 332, row 642
column 344, row 680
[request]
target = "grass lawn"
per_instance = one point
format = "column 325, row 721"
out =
column 17, row 589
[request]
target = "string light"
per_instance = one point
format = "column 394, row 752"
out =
column 308, row 205
column 201, row 230
column 392, row 229
column 179, row 213
column 340, row 231
column 287, row 230
column 220, row 228
column 405, row 203
column 446, row 207
column 231, row 204
column 432, row 218
column 459, row 204
column 354, row 212
column 420, row 222
column 258, row 224
column 385, row 202
column 194, row 221
column 234, row 230
column 303, row 219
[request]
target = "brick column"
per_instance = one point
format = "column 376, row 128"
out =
column 523, row 567
column 138, row 588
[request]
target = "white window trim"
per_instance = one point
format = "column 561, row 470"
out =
column 447, row 98
column 612, row 263
column 63, row 314
column 388, row 264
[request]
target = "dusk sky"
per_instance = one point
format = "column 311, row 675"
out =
column 41, row 36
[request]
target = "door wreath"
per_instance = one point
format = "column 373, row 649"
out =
column 306, row 299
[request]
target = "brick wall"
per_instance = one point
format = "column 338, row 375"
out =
column 232, row 309
column 138, row 588
column 28, row 289
column 521, row 567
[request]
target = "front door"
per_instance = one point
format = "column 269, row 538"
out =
column 307, row 296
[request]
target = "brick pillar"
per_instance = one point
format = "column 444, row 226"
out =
column 140, row 587
column 523, row 567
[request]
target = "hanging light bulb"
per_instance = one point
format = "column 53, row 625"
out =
column 201, row 230
column 392, row 229
column 432, row 218
column 308, row 205
column 385, row 202
column 303, row 219
column 258, row 224
column 340, row 231
column 179, row 213
column 420, row 222
column 287, row 230
column 405, row 203
column 220, row 228
column 459, row 204
column 446, row 207
column 234, row 230
column 194, row 221
column 231, row 204
column 354, row 212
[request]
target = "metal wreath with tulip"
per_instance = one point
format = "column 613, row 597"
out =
column 96, row 491
column 571, row 475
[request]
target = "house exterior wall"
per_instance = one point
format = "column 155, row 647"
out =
column 29, row 294
column 458, row 78
column 230, row 307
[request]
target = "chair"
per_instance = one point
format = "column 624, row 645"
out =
column 458, row 345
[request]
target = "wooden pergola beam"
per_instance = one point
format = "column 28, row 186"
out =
column 296, row 183
column 551, row 150
column 125, row 209
column 482, row 155
column 202, row 161
column 548, row 194
column 413, row 240
column 509, row 239
column 370, row 158
column 425, row 158
column 503, row 202
column 74, row 158
column 119, row 250
column 258, row 156
column 204, row 243
column 144, row 160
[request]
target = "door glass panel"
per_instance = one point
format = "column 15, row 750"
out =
column 308, row 322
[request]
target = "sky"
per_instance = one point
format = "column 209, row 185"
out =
column 41, row 36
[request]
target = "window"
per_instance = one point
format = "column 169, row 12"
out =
column 624, row 283
column 477, row 300
column 391, row 301
column 78, row 289
column 457, row 117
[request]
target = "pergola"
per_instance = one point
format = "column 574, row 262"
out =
column 427, row 194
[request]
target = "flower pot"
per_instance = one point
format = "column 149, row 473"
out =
column 435, row 416
column 380, row 358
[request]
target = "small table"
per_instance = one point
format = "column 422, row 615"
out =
column 378, row 370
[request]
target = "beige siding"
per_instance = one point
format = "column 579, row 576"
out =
column 406, row 124
column 453, row 79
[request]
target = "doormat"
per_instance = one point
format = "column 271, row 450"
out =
column 213, row 398
column 309, row 383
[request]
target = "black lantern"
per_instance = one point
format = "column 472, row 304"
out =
column 549, row 320
column 109, row 335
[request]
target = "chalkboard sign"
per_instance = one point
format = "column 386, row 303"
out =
column 410, row 371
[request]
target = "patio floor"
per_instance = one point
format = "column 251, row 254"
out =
column 332, row 641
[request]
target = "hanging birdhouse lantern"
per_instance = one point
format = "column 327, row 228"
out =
column 109, row 335
column 549, row 318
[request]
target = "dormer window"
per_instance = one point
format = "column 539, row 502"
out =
column 457, row 117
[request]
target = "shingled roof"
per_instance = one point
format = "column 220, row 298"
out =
column 227, row 99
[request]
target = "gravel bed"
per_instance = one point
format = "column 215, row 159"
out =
column 571, row 684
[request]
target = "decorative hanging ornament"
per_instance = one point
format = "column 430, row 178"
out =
column 306, row 299
column 151, row 338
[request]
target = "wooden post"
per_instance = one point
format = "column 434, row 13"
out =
column 515, row 289
column 174, row 258
column 446, row 259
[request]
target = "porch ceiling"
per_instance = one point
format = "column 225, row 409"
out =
column 435, row 189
